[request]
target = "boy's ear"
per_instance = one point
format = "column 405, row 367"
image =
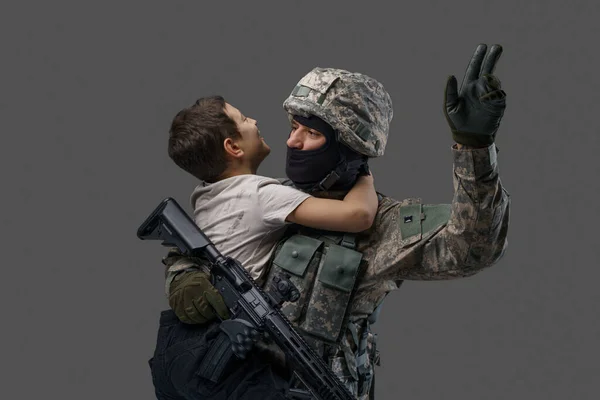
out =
column 232, row 148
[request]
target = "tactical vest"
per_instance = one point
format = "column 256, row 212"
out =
column 324, row 268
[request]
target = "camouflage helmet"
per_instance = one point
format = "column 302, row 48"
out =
column 356, row 106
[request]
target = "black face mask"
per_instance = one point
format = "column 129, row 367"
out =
column 352, row 166
column 307, row 167
column 334, row 161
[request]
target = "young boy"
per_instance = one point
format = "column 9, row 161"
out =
column 245, row 214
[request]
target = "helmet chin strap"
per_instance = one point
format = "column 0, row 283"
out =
column 356, row 167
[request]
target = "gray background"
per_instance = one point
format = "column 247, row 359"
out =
column 87, row 95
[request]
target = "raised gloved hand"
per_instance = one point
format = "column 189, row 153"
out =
column 192, row 295
column 474, row 111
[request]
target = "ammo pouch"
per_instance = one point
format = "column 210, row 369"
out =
column 324, row 270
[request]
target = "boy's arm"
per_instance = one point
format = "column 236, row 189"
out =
column 353, row 214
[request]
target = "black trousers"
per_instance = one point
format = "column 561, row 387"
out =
column 180, row 349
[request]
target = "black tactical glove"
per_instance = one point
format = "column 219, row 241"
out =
column 474, row 112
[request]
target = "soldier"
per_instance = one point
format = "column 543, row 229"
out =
column 344, row 278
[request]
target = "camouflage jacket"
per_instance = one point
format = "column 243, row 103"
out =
column 473, row 237
column 410, row 240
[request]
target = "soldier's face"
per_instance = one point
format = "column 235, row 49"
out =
column 305, row 138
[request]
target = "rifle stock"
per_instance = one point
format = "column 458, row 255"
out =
column 253, row 311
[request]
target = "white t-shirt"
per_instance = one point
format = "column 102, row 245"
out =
column 244, row 216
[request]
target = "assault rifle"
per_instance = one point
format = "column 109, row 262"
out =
column 254, row 312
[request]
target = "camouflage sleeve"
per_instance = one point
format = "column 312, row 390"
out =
column 430, row 242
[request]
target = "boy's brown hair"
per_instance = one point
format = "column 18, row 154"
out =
column 196, row 138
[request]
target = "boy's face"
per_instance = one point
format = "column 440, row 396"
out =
column 254, row 146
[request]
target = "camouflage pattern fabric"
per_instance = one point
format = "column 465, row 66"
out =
column 409, row 240
column 356, row 106
column 473, row 237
